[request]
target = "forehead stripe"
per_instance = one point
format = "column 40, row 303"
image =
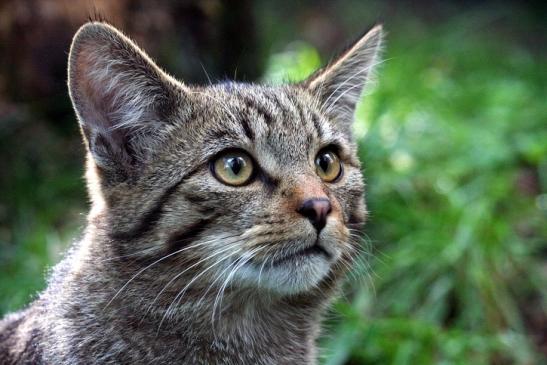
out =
column 300, row 110
column 285, row 113
column 253, row 105
column 247, row 128
column 317, row 125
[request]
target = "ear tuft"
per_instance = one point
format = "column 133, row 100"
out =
column 339, row 85
column 122, row 99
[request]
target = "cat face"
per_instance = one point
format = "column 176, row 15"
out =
column 233, row 184
column 279, row 186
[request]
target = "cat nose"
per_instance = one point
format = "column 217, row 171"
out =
column 316, row 210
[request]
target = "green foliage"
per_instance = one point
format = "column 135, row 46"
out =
column 450, row 139
column 455, row 126
column 453, row 141
column 40, row 205
column 297, row 62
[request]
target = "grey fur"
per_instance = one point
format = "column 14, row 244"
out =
column 174, row 266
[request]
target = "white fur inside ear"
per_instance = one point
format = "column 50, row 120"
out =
column 129, row 95
column 340, row 85
column 117, row 92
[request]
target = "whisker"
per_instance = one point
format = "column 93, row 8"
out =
column 217, row 277
column 210, row 286
column 260, row 272
column 250, row 255
column 152, row 264
column 359, row 262
column 229, row 247
column 179, row 296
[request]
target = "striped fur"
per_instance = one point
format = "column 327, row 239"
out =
column 174, row 266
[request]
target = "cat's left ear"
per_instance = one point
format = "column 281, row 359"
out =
column 340, row 84
column 123, row 101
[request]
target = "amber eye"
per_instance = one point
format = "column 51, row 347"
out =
column 233, row 168
column 328, row 166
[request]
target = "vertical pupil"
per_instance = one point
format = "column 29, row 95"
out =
column 324, row 162
column 235, row 164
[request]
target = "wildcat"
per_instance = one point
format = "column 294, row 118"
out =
column 223, row 217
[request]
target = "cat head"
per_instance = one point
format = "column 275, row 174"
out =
column 229, row 184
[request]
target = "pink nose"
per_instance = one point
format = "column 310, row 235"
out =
column 316, row 210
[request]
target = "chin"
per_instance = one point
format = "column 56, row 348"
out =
column 291, row 274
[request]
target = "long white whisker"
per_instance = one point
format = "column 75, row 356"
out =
column 250, row 255
column 230, row 246
column 260, row 272
column 147, row 267
column 362, row 265
column 218, row 277
column 179, row 296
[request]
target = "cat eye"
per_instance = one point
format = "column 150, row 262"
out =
column 328, row 165
column 233, row 168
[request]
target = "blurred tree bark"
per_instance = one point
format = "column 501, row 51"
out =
column 194, row 40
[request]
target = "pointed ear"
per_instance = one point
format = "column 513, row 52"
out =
column 122, row 99
column 340, row 84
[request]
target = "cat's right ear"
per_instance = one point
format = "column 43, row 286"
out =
column 339, row 85
column 122, row 99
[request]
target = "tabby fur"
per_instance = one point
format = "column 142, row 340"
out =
column 175, row 267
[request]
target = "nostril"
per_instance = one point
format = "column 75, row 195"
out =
column 316, row 210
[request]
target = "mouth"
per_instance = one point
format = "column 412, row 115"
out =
column 291, row 271
column 314, row 250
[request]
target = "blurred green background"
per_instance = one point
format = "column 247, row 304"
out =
column 453, row 139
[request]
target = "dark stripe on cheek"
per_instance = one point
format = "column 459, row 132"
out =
column 186, row 236
column 152, row 216
column 205, row 204
column 195, row 199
